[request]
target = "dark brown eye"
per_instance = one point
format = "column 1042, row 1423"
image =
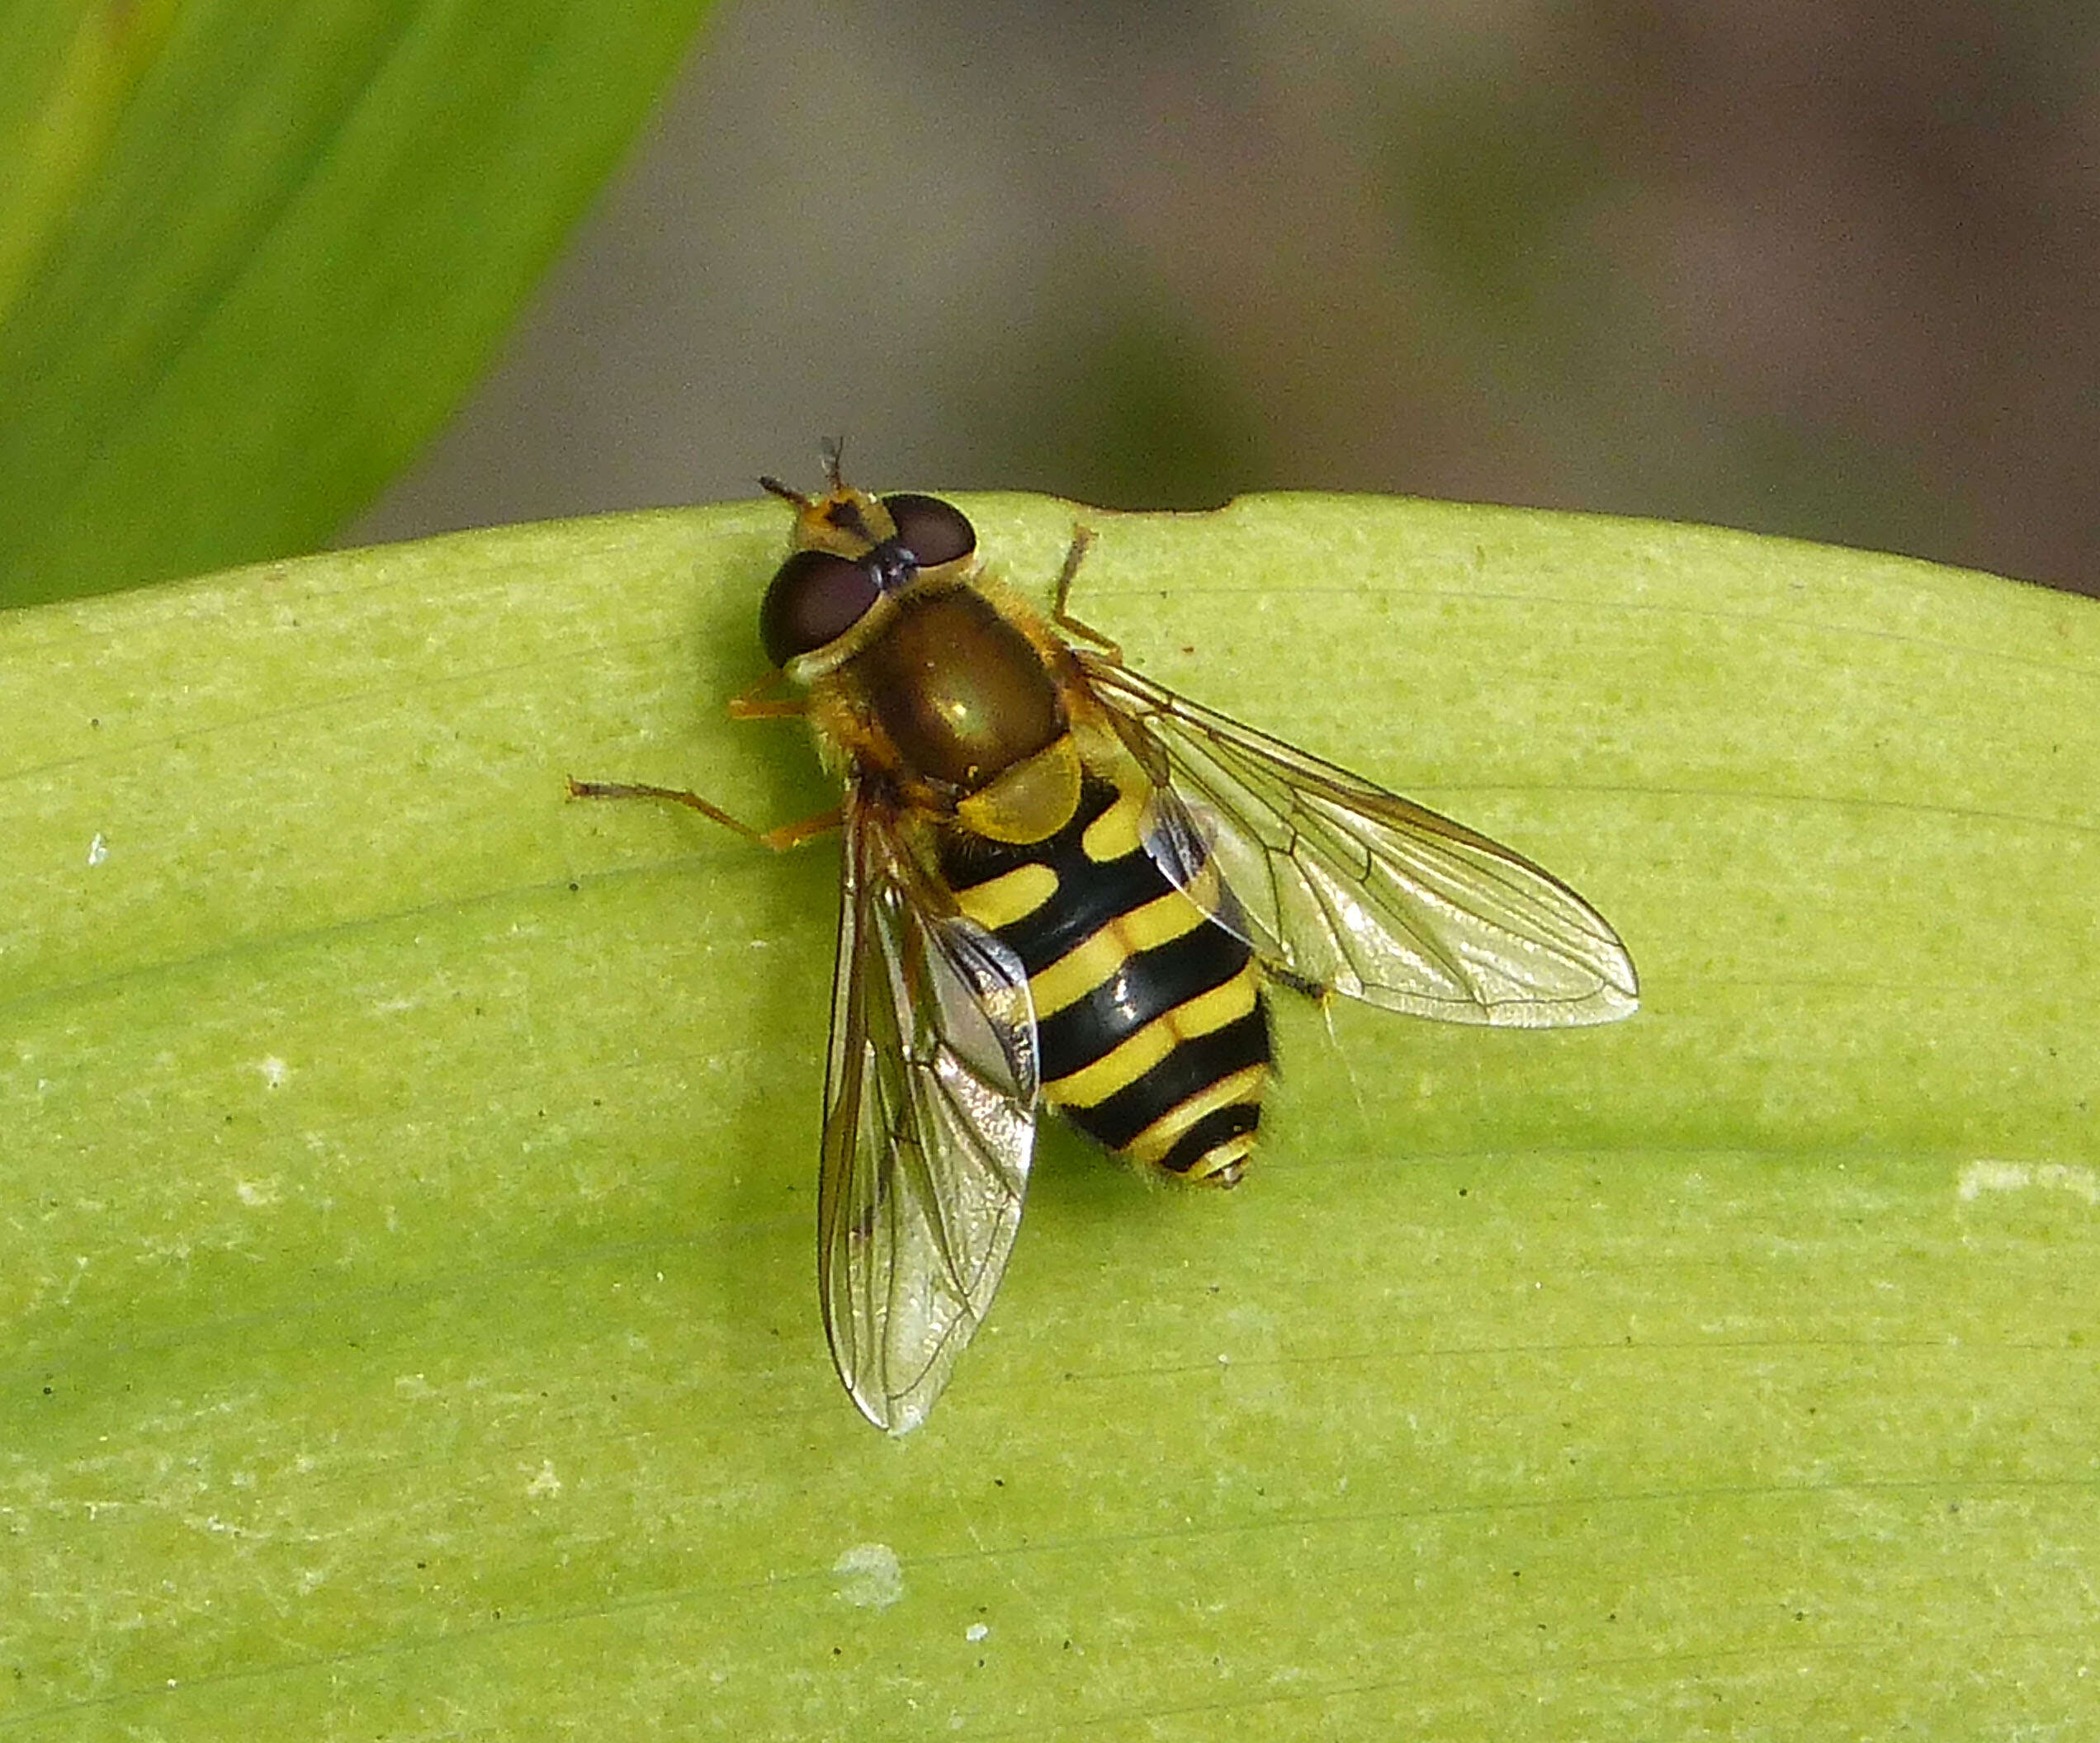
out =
column 933, row 531
column 815, row 598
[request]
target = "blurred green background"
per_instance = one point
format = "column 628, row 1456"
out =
column 1825, row 270
column 1822, row 270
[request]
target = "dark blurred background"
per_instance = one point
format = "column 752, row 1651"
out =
column 1828, row 269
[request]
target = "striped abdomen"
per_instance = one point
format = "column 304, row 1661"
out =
column 1151, row 1026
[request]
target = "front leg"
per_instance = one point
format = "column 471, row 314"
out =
column 1082, row 539
column 785, row 836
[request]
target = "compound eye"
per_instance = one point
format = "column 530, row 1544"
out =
column 814, row 599
column 933, row 531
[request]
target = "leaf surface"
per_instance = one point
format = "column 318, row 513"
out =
column 408, row 1258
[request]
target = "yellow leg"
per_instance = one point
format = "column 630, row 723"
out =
column 786, row 836
column 1082, row 538
column 752, row 703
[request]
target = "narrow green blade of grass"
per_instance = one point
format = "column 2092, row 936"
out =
column 250, row 256
column 407, row 1271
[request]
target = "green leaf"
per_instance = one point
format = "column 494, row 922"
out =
column 250, row 256
column 409, row 1234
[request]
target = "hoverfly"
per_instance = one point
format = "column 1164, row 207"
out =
column 1065, row 884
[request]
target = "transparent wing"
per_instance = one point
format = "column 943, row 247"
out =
column 929, row 1126
column 1342, row 885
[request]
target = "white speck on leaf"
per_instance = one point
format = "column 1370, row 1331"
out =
column 870, row 1576
column 97, row 849
column 1987, row 1176
column 545, row 1483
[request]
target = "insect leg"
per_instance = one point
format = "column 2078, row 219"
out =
column 751, row 703
column 787, row 835
column 1082, row 538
